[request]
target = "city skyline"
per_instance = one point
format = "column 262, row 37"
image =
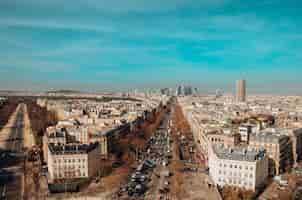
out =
column 97, row 45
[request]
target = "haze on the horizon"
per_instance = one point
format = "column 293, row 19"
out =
column 95, row 44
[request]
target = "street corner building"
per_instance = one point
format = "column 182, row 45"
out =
column 73, row 161
column 240, row 167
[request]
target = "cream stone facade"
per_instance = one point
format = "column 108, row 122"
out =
column 102, row 139
column 73, row 161
column 279, row 149
column 241, row 168
column 227, row 140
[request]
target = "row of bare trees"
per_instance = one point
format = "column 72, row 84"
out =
column 40, row 119
column 233, row 193
column 6, row 110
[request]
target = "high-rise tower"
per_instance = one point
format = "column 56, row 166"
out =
column 240, row 91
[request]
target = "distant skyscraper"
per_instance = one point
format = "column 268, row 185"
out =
column 179, row 90
column 171, row 92
column 218, row 93
column 188, row 90
column 165, row 91
column 195, row 91
column 240, row 90
column 184, row 90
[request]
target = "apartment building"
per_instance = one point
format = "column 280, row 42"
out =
column 279, row 149
column 295, row 135
column 239, row 167
column 73, row 161
column 53, row 136
column 78, row 133
column 102, row 139
column 227, row 139
column 199, row 133
column 245, row 130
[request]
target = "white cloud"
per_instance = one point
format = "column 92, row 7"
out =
column 52, row 24
column 28, row 64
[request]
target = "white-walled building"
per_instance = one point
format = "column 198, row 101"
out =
column 102, row 139
column 79, row 133
column 239, row 167
column 55, row 136
column 73, row 161
column 245, row 130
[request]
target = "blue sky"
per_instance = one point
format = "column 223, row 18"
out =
column 122, row 44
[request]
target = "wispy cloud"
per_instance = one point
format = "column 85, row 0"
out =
column 51, row 24
column 27, row 64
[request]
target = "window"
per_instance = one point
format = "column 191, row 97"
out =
column 251, row 175
column 219, row 172
column 231, row 166
column 251, row 168
column 235, row 166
